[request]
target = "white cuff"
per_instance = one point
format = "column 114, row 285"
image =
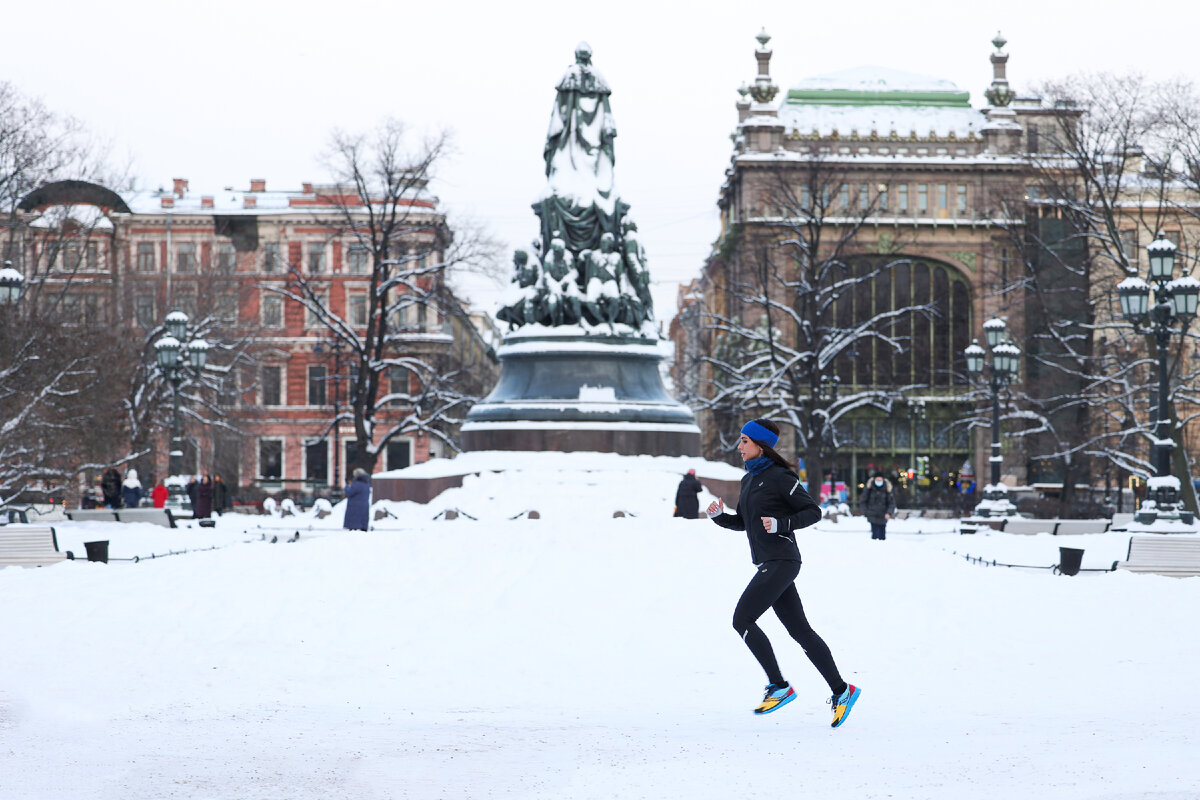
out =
column 712, row 514
column 774, row 525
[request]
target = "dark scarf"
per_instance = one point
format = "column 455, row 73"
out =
column 756, row 465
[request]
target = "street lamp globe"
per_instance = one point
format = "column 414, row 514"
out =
column 974, row 355
column 11, row 284
column 177, row 323
column 166, row 352
column 1162, row 258
column 1184, row 293
column 1006, row 360
column 197, row 351
column 994, row 330
column 1135, row 298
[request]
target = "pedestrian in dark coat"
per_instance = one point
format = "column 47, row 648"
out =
column 110, row 487
column 204, row 498
column 878, row 504
column 687, row 502
column 191, row 488
column 358, row 502
column 131, row 489
column 220, row 494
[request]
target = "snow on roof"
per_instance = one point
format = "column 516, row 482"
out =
column 232, row 202
column 86, row 216
column 874, row 80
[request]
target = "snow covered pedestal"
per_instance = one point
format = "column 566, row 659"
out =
column 995, row 502
column 1162, row 512
column 581, row 393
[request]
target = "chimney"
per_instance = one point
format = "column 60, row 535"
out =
column 306, row 188
column 258, row 184
column 181, row 186
column 206, row 202
column 168, row 201
column 249, row 201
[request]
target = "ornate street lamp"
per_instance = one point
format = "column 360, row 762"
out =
column 177, row 362
column 335, row 344
column 1175, row 301
column 1005, row 367
column 11, row 284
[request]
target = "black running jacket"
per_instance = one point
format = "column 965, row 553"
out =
column 774, row 492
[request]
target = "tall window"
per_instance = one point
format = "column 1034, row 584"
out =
column 398, row 380
column 864, row 196
column 902, row 198
column 145, row 257
column 356, row 309
column 144, row 310
column 943, row 200
column 185, row 257
column 357, row 261
column 316, row 385
column 271, row 387
column 272, row 311
column 883, row 196
column 270, row 459
column 92, row 254
column 316, row 462
column 1031, row 138
column 962, row 199
column 399, row 454
column 316, row 257
column 922, row 198
column 272, row 260
column 1129, row 244
column 805, row 198
column 845, row 197
column 226, row 256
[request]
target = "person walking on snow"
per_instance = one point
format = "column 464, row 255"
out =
column 131, row 489
column 771, row 507
column 687, row 501
column 879, row 505
column 358, row 502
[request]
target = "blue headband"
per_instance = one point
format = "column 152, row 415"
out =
column 760, row 434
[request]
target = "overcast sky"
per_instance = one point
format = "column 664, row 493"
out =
column 220, row 92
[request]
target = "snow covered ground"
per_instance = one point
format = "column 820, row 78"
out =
column 582, row 656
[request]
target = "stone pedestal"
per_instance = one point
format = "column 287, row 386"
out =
column 581, row 393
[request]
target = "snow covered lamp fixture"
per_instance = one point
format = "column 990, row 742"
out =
column 166, row 352
column 1184, row 293
column 1135, row 299
column 197, row 352
column 994, row 331
column 176, row 323
column 974, row 354
column 11, row 284
column 1162, row 259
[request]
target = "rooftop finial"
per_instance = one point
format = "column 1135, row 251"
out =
column 999, row 41
column 763, row 37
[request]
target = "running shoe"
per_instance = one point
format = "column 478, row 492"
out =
column 774, row 698
column 842, row 703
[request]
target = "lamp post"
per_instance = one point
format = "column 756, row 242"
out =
column 335, row 345
column 1174, row 301
column 176, row 361
column 12, row 283
column 916, row 415
column 1005, row 366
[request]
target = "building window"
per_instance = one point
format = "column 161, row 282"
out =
column 1129, row 244
column 902, row 198
column 351, row 461
column 357, row 260
column 92, row 254
column 316, row 462
column 313, row 317
column 884, row 191
column 399, row 380
column 922, row 198
column 227, row 395
column 226, row 257
column 185, row 257
column 316, row 257
column 1031, row 138
column 943, row 199
column 271, row 258
column 316, row 385
column 399, row 454
column 272, row 311
column 962, row 199
column 144, row 310
column 356, row 309
column 272, row 385
column 864, row 196
column 805, row 198
column 270, row 459
column 145, row 257
column 845, row 197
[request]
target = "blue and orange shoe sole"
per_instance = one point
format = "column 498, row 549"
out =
column 787, row 698
column 854, row 693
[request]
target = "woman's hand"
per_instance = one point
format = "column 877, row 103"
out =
column 715, row 508
column 770, row 524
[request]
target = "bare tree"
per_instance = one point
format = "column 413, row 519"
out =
column 404, row 249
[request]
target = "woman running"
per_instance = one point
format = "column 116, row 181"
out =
column 772, row 506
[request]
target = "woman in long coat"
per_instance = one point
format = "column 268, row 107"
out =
column 204, row 498
column 358, row 502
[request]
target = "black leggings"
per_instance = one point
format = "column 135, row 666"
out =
column 773, row 586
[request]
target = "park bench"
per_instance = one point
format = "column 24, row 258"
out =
column 29, row 546
column 155, row 516
column 92, row 515
column 1069, row 527
column 1162, row 554
column 1028, row 526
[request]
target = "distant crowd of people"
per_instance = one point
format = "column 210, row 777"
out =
column 208, row 494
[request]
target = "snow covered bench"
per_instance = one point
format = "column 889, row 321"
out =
column 1162, row 554
column 92, row 515
column 1015, row 525
column 29, row 546
column 155, row 516
column 1068, row 527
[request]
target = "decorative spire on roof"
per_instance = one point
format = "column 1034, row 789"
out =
column 999, row 94
column 764, row 89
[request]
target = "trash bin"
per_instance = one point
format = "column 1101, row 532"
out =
column 1069, row 559
column 97, row 551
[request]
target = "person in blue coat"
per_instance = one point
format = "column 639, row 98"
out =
column 358, row 502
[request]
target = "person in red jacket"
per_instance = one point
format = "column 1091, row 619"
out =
column 159, row 495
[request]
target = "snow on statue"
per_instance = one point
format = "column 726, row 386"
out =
column 586, row 268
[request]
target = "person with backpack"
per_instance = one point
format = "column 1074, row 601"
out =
column 878, row 504
column 772, row 507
